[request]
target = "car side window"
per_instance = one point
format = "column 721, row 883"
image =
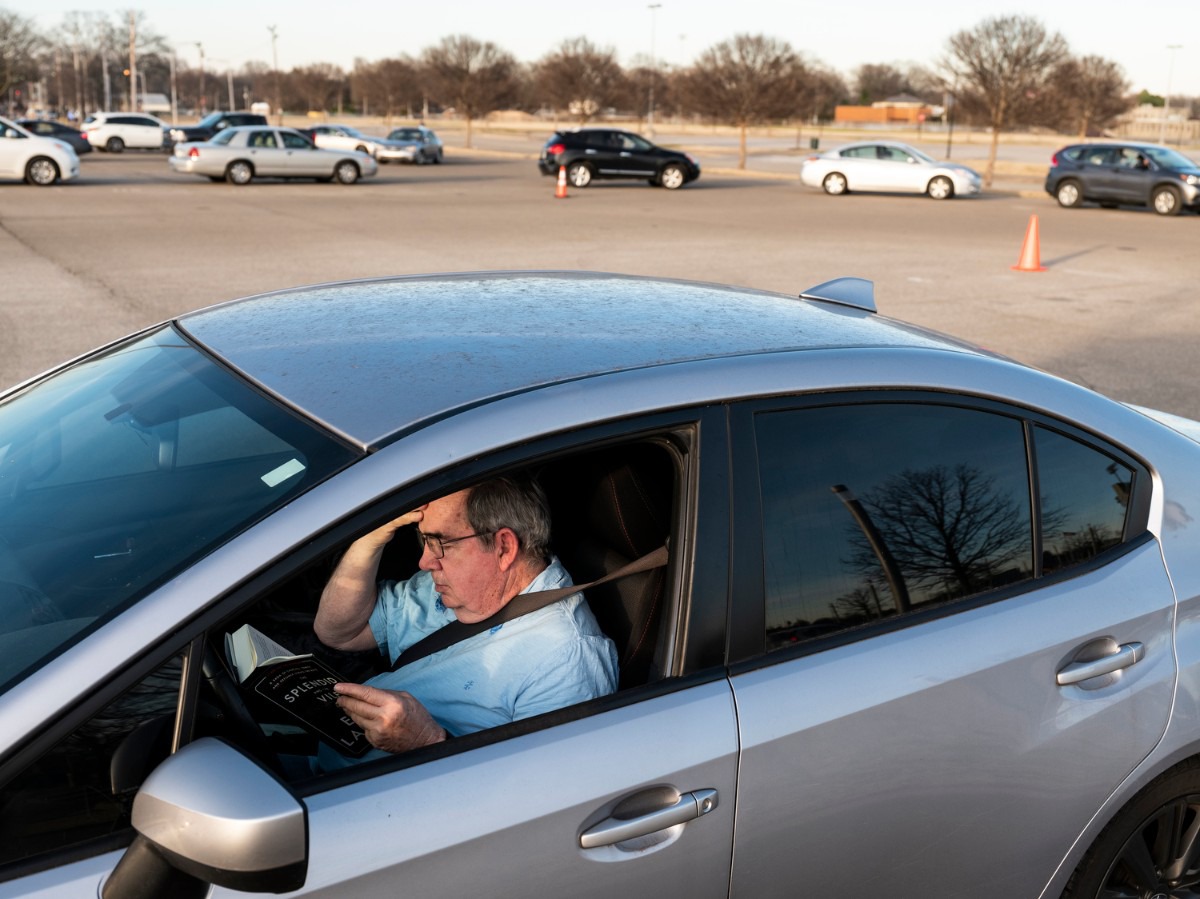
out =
column 871, row 511
column 859, row 152
column 1100, row 156
column 1085, row 499
column 295, row 141
column 263, row 139
column 874, row 510
column 82, row 789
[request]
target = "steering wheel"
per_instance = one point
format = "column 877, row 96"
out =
column 246, row 732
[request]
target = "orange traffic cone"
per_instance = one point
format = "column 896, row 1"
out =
column 560, row 192
column 1030, row 256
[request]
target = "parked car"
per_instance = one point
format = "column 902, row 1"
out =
column 239, row 155
column 984, row 639
column 887, row 165
column 591, row 153
column 113, row 132
column 213, row 123
column 343, row 137
column 1124, row 173
column 28, row 157
column 59, row 131
column 412, row 143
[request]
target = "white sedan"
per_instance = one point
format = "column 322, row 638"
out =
column 887, row 165
column 24, row 156
column 343, row 137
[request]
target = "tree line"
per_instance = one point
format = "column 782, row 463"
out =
column 1007, row 72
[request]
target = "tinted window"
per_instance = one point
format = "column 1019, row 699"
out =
column 1085, row 498
column 860, row 152
column 873, row 510
column 1099, row 156
column 294, row 141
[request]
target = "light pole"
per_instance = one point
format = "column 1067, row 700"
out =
column 1162, row 132
column 275, row 61
column 203, row 102
column 654, row 8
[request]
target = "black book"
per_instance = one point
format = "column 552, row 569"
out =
column 301, row 685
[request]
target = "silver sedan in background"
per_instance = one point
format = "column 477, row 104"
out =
column 412, row 143
column 887, row 165
column 239, row 155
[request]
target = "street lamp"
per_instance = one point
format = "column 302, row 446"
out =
column 203, row 102
column 654, row 8
column 1162, row 133
column 275, row 60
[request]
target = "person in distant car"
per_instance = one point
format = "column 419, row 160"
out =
column 481, row 547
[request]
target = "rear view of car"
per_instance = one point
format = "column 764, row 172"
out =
column 1124, row 174
column 588, row 154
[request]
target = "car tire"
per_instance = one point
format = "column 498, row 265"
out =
column 437, row 158
column 579, row 174
column 345, row 172
column 940, row 188
column 835, row 184
column 1132, row 855
column 114, row 145
column 1068, row 194
column 42, row 171
column 673, row 177
column 1166, row 200
column 239, row 172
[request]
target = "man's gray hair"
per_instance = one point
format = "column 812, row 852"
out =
column 516, row 502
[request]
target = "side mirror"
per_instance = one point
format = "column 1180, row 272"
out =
column 210, row 815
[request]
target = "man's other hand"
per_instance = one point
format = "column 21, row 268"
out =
column 392, row 720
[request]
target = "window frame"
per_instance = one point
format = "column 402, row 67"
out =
column 747, row 635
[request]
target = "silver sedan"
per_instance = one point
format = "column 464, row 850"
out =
column 887, row 165
column 239, row 155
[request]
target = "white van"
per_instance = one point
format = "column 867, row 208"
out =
column 114, row 131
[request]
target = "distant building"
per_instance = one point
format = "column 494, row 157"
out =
column 153, row 103
column 1155, row 123
column 902, row 109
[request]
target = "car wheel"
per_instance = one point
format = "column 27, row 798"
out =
column 579, row 174
column 437, row 159
column 940, row 188
column 835, row 184
column 1147, row 849
column 239, row 172
column 41, row 171
column 1068, row 194
column 114, row 145
column 1165, row 201
column 346, row 172
column 672, row 177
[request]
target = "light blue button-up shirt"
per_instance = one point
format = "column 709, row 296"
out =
column 545, row 660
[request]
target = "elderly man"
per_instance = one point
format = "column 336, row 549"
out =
column 481, row 548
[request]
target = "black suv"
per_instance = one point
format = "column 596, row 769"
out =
column 589, row 153
column 212, row 123
column 1112, row 174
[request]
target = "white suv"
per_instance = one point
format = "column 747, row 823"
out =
column 114, row 131
column 36, row 160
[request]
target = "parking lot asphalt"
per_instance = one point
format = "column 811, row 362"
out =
column 130, row 244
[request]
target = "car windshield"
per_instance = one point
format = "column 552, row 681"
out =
column 913, row 151
column 352, row 132
column 405, row 134
column 119, row 471
column 1171, row 159
column 221, row 138
column 209, row 120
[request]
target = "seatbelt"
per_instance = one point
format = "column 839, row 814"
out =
column 521, row 604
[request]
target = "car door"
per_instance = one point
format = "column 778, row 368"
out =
column 637, row 156
column 900, row 171
column 303, row 159
column 1132, row 176
column 1098, row 171
column 632, row 793
column 602, row 150
column 270, row 158
column 918, row 720
column 862, row 167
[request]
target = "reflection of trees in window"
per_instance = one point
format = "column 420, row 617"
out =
column 950, row 530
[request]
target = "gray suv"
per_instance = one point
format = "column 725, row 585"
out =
column 1128, row 173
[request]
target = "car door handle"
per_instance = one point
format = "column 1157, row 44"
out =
column 616, row 830
column 1126, row 655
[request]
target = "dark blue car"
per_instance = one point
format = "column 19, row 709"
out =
column 1130, row 173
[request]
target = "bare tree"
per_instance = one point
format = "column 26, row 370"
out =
column 19, row 46
column 746, row 80
column 316, row 86
column 477, row 77
column 878, row 81
column 1006, row 61
column 580, row 78
column 1087, row 92
column 388, row 86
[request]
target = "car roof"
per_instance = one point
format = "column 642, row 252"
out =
column 373, row 358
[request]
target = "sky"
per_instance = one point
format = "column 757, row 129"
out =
column 841, row 35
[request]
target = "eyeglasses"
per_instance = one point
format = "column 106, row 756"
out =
column 437, row 544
